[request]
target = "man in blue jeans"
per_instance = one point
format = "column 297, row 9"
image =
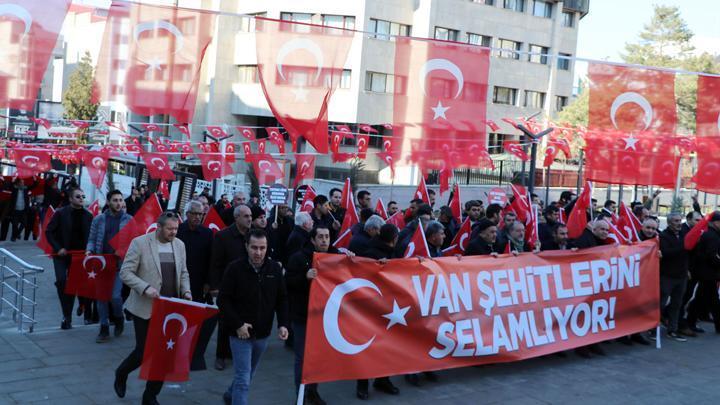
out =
column 252, row 292
column 103, row 228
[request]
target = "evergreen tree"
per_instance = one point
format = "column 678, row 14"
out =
column 78, row 97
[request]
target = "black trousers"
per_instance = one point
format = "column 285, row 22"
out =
column 134, row 359
column 4, row 227
column 222, row 350
column 706, row 298
column 62, row 265
column 19, row 223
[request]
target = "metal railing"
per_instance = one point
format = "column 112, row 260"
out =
column 18, row 289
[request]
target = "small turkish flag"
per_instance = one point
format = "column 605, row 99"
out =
column 158, row 166
column 708, row 106
column 96, row 164
column 445, row 174
column 418, row 245
column 247, row 149
column 92, row 276
column 707, row 176
column 351, row 219
column 276, row 138
column 94, row 208
column 164, row 189
column 144, row 221
column 150, row 127
column 531, row 226
column 261, row 146
column 214, row 166
column 305, row 168
column 520, row 203
column 183, row 128
column 693, row 236
column 247, row 132
column 388, row 126
column 456, row 203
column 347, row 196
column 362, row 145
column 266, row 168
column 42, row 242
column 41, row 121
column 387, row 158
column 217, row 132
column 628, row 223
column 367, row 128
column 615, row 234
column 577, row 222
column 515, row 149
column 461, row 240
column 213, row 221
column 172, row 334
column 31, row 162
column 397, row 219
column 380, row 209
column 186, row 150
column 561, row 144
column 387, row 145
column 550, row 153
column 308, row 203
column 230, row 152
column 492, row 125
column 421, row 192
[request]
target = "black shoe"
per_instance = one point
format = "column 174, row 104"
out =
column 625, row 340
column 638, row 338
column 386, row 386
column 561, row 354
column 596, row 349
column 312, row 397
column 120, row 385
column 79, row 310
column 430, row 376
column 696, row 329
column 65, row 324
column 119, row 326
column 583, row 352
column 227, row 398
column 150, row 401
column 104, row 334
column 677, row 337
column 362, row 394
column 219, row 364
column 413, row 379
column 128, row 315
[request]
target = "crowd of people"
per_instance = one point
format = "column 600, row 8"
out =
column 258, row 269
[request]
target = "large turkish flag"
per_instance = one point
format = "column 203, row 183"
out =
column 300, row 66
column 152, row 56
column 631, row 100
column 440, row 102
column 31, row 162
column 29, row 32
column 708, row 106
column 92, row 276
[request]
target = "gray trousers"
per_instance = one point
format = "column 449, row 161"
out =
column 673, row 288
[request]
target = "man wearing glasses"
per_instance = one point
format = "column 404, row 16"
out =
column 68, row 231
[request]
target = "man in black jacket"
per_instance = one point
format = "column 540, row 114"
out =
column 545, row 230
column 321, row 214
column 673, row 272
column 559, row 239
column 361, row 240
column 484, row 242
column 708, row 273
column 692, row 218
column 252, row 293
column 300, row 235
column 68, row 231
column 423, row 215
column 133, row 202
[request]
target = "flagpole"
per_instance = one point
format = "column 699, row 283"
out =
column 678, row 180
column 301, row 395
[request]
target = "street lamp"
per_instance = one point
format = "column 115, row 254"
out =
column 534, row 137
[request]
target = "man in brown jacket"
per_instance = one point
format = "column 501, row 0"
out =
column 154, row 266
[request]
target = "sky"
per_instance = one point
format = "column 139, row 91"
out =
column 612, row 23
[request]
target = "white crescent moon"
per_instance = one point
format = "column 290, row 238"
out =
column 550, row 150
column 304, row 167
column 362, row 143
column 388, row 160
column 100, row 258
column 331, row 326
column 30, row 160
column 213, row 163
column 442, row 64
column 410, row 249
column 177, row 317
column 387, row 145
column 668, row 167
column 213, row 226
column 157, row 24
column 20, row 12
column 266, row 163
column 160, row 166
column 461, row 244
column 308, row 204
column 635, row 98
column 151, row 228
column 247, row 133
column 294, row 45
column 98, row 162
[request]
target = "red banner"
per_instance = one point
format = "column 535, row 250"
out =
column 367, row 320
column 92, row 276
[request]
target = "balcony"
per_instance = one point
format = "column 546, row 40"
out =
column 580, row 6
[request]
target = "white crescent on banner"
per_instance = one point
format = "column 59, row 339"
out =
column 361, row 143
column 214, row 165
column 388, row 159
column 635, row 98
column 98, row 162
column 297, row 44
column 442, row 64
column 151, row 228
column 387, row 145
column 30, row 160
column 550, row 151
column 160, row 24
column 668, row 168
column 101, row 259
column 331, row 326
column 410, row 249
column 461, row 245
column 304, row 167
column 20, row 12
column 264, row 163
column 177, row 317
column 160, row 165
column 247, row 133
column 711, row 168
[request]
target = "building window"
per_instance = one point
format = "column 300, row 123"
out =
column 384, row 29
column 560, row 103
column 248, row 74
column 568, row 19
column 504, row 95
column 477, row 39
column 510, row 49
column 303, row 18
column 563, row 61
column 517, row 5
column 495, row 143
column 339, row 21
column 542, row 9
column 247, row 23
column 344, row 82
column 486, row 2
column 538, row 54
column 534, row 99
column 379, row 82
column 446, row 34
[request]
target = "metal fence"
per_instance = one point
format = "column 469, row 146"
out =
column 18, row 289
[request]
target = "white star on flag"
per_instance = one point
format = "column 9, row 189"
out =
column 397, row 316
column 154, row 64
column 439, row 111
column 170, row 344
column 300, row 93
column 630, row 142
column 91, row 274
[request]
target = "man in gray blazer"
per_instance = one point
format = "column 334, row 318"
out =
column 154, row 266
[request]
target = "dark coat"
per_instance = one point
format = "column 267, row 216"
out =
column 228, row 245
column 298, row 239
column 378, row 249
column 545, row 233
column 253, row 297
column 359, row 242
column 279, row 236
column 674, row 261
column 587, row 240
column 198, row 252
column 298, row 285
column 707, row 265
column 478, row 247
column 59, row 230
column 132, row 206
column 451, row 228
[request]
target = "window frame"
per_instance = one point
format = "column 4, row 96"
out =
column 563, row 62
column 514, row 5
column 506, row 53
column 482, row 39
column 539, row 57
column 539, row 94
column 512, row 93
column 547, row 10
column 452, row 34
column 568, row 16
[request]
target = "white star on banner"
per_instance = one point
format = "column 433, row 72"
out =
column 170, row 344
column 630, row 142
column 439, row 111
column 91, row 274
column 154, row 64
column 397, row 316
column 300, row 93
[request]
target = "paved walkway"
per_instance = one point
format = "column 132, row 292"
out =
column 68, row 367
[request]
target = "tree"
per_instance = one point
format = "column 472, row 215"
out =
column 78, row 97
column 576, row 113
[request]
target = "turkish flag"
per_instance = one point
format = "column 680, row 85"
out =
column 551, row 152
column 521, row 202
column 615, row 234
column 532, row 236
column 80, row 124
column 276, row 138
column 628, row 224
column 300, row 67
column 461, row 240
column 150, row 127
column 421, row 192
column 397, row 219
column 261, row 146
column 92, row 276
column 183, row 128
column 708, row 106
column 214, row 166
column 304, row 168
column 347, row 202
column 30, row 32
column 186, row 150
column 492, row 125
column 94, row 208
column 387, row 145
column 217, row 132
column 160, row 50
column 578, row 216
column 387, row 158
column 172, row 334
column 345, row 234
column 144, row 221
column 380, row 209
column 694, row 234
column 308, row 203
column 367, row 128
column 707, row 176
column 440, row 92
column 158, row 166
column 445, row 174
column 31, row 162
column 560, row 144
column 631, row 100
column 41, row 121
column 514, row 148
column 96, row 164
column 266, row 168
column 42, row 242
column 418, row 246
column 336, row 138
column 164, row 190
column 642, row 160
column 456, row 203
column 247, row 149
column 362, row 145
column 247, row 132
column 213, row 221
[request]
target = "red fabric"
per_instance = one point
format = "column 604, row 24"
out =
column 521, row 202
column 247, row 132
column 367, row 128
column 492, row 125
column 380, row 209
column 418, row 246
column 708, row 106
column 336, row 138
column 421, row 192
column 456, row 203
column 230, row 150
column 186, row 150
column 299, row 70
column 214, row 166
column 707, row 176
column 461, row 240
column 532, row 237
column 164, row 189
column 183, row 128
column 31, row 162
column 619, row 93
column 261, row 146
column 347, row 197
column 550, row 153
column 158, row 166
column 42, row 242
column 144, row 221
column 362, row 145
column 387, row 145
column 307, row 204
column 514, row 148
column 415, row 315
column 560, row 144
column 96, row 164
column 577, row 222
column 172, row 334
column 276, row 138
column 440, row 93
column 345, row 234
column 397, row 219
column 305, row 168
column 266, row 168
column 388, row 159
column 693, row 235
column 615, row 234
column 94, row 208
column 213, row 221
column 30, row 31
column 162, row 69
column 92, row 276
column 41, row 121
column 217, row 132
column 628, row 224
column 445, row 174
column 150, row 127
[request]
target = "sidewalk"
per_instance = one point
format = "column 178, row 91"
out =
column 68, row 367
